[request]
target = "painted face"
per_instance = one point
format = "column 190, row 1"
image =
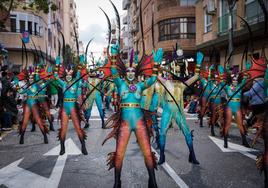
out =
column 131, row 74
column 69, row 76
column 31, row 78
column 235, row 80
column 165, row 74
column 101, row 74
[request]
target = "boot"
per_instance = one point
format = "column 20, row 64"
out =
column 33, row 127
column 102, row 123
column 225, row 141
column 244, row 141
column 22, row 137
column 83, row 147
column 152, row 181
column 201, row 122
column 86, row 126
column 157, row 141
column 212, row 130
column 62, row 147
column 45, row 138
column 51, row 127
column 162, row 158
column 192, row 158
column 117, row 177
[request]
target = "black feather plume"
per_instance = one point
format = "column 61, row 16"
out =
column 118, row 22
column 109, row 29
column 87, row 48
column 76, row 40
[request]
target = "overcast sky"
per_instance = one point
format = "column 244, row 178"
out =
column 92, row 22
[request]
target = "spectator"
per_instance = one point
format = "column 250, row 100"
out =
column 193, row 105
column 9, row 109
column 5, row 84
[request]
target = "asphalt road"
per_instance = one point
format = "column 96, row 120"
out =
column 234, row 168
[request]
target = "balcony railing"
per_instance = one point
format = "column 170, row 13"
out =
column 18, row 31
column 254, row 13
column 224, row 22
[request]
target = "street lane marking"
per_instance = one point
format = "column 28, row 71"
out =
column 172, row 173
column 15, row 177
column 234, row 148
column 98, row 119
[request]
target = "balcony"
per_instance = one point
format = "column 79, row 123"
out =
column 126, row 4
column 254, row 13
column 224, row 23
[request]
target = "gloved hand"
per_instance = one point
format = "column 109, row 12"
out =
column 136, row 59
column 82, row 59
column 221, row 69
column 58, row 60
column 158, row 56
column 199, row 58
column 49, row 70
column 248, row 65
column 115, row 49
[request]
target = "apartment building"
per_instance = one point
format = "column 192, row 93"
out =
column 70, row 23
column 213, row 27
column 173, row 21
column 43, row 30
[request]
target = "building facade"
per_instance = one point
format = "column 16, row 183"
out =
column 213, row 28
column 43, row 30
column 70, row 23
column 173, row 21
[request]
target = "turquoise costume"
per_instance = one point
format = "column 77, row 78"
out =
column 130, row 117
column 72, row 92
column 172, row 111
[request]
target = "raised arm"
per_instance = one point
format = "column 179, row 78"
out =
column 56, row 75
column 115, row 75
column 158, row 57
column 199, row 61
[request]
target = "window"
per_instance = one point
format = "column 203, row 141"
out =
column 187, row 2
column 35, row 29
column 177, row 28
column 208, row 21
column 22, row 26
column 253, row 11
column 224, row 9
column 13, row 25
column 20, row 22
column 30, row 27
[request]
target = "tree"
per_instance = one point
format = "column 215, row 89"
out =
column 6, row 6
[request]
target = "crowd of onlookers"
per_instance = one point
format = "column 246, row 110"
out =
column 8, row 103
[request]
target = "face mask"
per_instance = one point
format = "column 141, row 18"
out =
column 69, row 78
column 131, row 74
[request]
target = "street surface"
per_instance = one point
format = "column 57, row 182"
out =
column 35, row 164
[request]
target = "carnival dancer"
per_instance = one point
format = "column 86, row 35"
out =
column 43, row 99
column 95, row 96
column 207, row 87
column 155, row 105
column 31, row 104
column 262, row 160
column 214, row 96
column 130, row 117
column 71, row 92
column 233, row 108
column 265, row 128
column 172, row 111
